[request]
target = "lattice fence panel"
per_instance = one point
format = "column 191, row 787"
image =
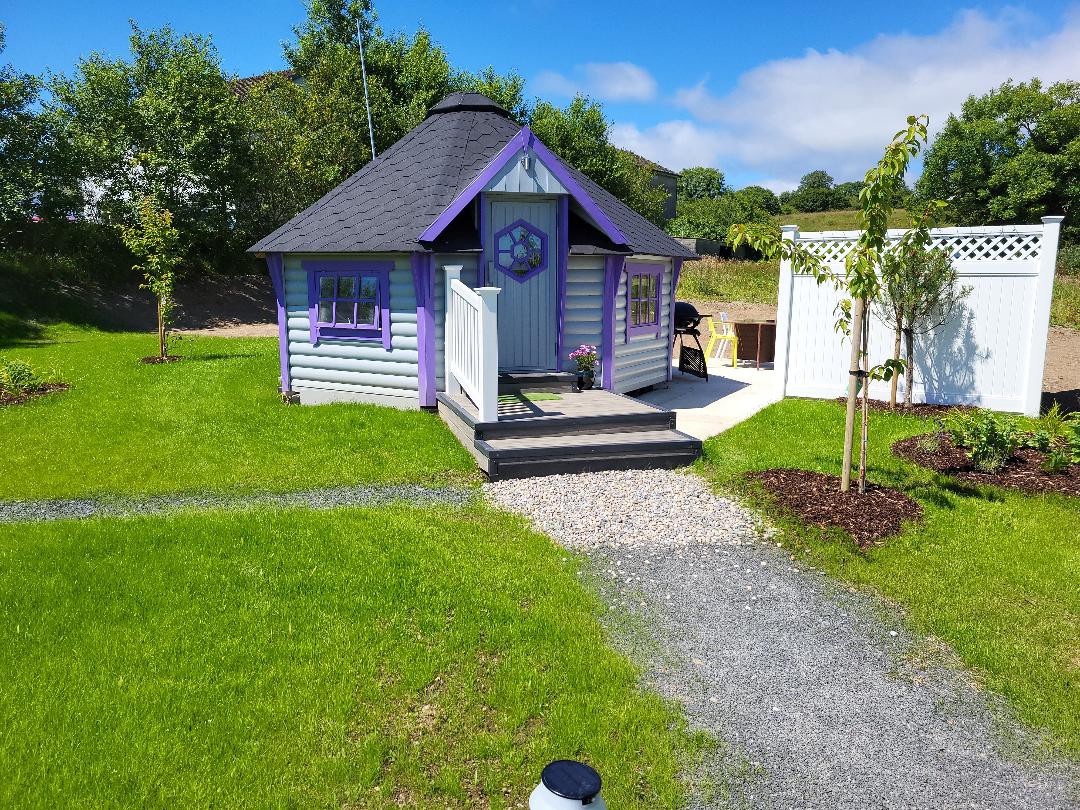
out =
column 961, row 247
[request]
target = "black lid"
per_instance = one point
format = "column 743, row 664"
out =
column 571, row 780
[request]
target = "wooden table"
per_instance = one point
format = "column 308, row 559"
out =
column 757, row 340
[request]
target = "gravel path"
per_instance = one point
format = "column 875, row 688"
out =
column 71, row 508
column 820, row 696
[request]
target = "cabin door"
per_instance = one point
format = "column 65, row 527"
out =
column 521, row 245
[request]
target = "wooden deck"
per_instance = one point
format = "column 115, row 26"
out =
column 581, row 431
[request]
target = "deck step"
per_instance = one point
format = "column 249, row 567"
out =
column 588, row 452
column 552, row 381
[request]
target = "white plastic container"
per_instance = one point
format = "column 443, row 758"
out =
column 567, row 785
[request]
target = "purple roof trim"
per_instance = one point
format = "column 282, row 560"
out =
column 613, row 266
column 524, row 140
column 275, row 263
column 424, row 280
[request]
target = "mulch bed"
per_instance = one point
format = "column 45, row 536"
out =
column 924, row 410
column 156, row 360
column 48, row 388
column 1022, row 472
column 816, row 499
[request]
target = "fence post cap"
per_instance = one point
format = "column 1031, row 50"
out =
column 1057, row 220
column 789, row 228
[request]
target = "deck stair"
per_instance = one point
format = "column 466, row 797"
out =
column 581, row 431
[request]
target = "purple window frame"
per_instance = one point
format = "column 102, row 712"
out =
column 656, row 273
column 378, row 329
column 507, row 270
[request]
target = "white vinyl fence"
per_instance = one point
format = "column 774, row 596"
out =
column 991, row 353
column 472, row 343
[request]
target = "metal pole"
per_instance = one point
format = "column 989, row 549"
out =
column 367, row 103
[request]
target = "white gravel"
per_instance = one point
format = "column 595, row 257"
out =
column 820, row 696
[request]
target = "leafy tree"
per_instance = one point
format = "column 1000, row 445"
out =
column 707, row 218
column 1011, row 156
column 153, row 238
column 506, row 90
column 864, row 273
column 579, row 135
column 919, row 295
column 847, row 194
column 817, row 179
column 701, row 183
column 759, row 197
column 164, row 125
column 20, row 140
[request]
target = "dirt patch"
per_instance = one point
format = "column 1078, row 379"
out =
column 735, row 310
column 1023, row 471
column 48, row 388
column 924, row 410
column 157, row 360
column 816, row 499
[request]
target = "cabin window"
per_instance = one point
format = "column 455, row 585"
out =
column 643, row 299
column 349, row 300
column 520, row 250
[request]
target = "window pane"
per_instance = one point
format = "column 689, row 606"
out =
column 652, row 286
column 346, row 287
column 504, row 242
column 365, row 313
column 344, row 311
column 652, row 312
column 636, row 314
column 369, row 287
column 326, row 287
column 326, row 311
column 635, row 286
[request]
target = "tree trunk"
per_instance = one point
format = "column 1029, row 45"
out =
column 857, row 319
column 864, row 433
column 163, row 348
column 909, row 370
column 895, row 377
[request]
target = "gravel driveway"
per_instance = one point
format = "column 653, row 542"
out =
column 819, row 695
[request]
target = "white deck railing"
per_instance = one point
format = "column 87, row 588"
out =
column 472, row 344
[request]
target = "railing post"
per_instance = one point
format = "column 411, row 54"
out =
column 452, row 273
column 489, row 355
column 1044, row 291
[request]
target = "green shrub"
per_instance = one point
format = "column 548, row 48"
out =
column 17, row 378
column 1057, row 462
column 1068, row 260
column 989, row 439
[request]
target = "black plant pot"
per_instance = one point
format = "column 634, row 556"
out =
column 586, row 380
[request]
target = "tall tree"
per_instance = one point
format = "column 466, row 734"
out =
column 20, row 141
column 1011, row 156
column 163, row 125
column 701, row 183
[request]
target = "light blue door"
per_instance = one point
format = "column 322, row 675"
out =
column 520, row 251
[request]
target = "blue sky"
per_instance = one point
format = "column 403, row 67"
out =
column 765, row 91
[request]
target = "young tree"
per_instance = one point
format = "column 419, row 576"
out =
column 862, row 266
column 1011, row 156
column 153, row 239
column 920, row 294
column 701, row 183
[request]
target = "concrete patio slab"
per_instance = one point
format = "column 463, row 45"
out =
column 707, row 407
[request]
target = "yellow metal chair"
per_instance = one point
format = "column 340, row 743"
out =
column 725, row 335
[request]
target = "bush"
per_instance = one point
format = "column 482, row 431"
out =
column 17, row 379
column 1068, row 260
column 989, row 439
column 711, row 218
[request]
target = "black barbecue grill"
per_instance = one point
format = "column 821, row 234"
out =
column 687, row 320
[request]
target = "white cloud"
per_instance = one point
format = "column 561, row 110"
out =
column 837, row 109
column 608, row 81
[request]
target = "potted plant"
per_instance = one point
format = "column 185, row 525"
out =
column 585, row 356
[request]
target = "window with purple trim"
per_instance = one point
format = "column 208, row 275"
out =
column 643, row 300
column 521, row 250
column 349, row 300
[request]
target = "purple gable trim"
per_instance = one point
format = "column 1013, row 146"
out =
column 613, row 266
column 676, row 268
column 424, row 280
column 380, row 332
column 642, row 269
column 275, row 263
column 521, row 142
column 562, row 254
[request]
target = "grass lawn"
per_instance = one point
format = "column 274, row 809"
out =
column 991, row 572
column 212, row 422
column 382, row 657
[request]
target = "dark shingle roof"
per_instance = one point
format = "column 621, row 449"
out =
column 386, row 205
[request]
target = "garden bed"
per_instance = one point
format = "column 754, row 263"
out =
column 816, row 499
column 19, row 399
column 1023, row 471
column 923, row 410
